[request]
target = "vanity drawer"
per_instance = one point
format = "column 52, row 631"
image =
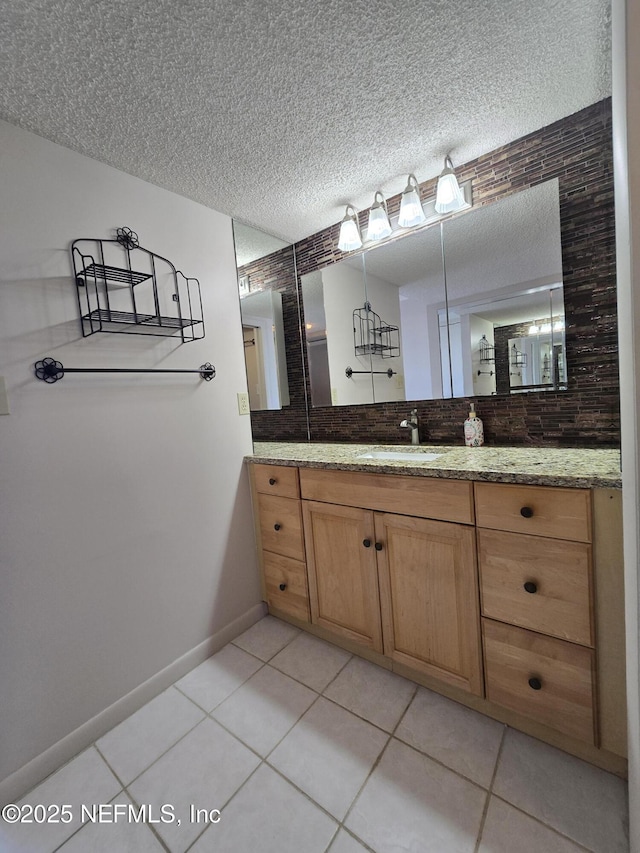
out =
column 537, row 583
column 540, row 677
column 276, row 480
column 281, row 526
column 286, row 587
column 422, row 497
column 540, row 510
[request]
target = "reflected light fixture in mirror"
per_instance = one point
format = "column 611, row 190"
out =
column 379, row 226
column 449, row 196
column 411, row 212
column 350, row 238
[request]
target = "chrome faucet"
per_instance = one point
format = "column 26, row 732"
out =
column 412, row 423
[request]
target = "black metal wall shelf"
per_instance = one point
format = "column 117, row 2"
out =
column 487, row 351
column 372, row 336
column 154, row 298
column 50, row 370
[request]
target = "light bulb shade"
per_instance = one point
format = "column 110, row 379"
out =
column 350, row 238
column 449, row 196
column 379, row 225
column 411, row 212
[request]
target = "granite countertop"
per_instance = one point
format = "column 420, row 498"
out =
column 543, row 466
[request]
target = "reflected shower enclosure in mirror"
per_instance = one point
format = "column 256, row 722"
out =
column 505, row 300
column 260, row 260
column 467, row 307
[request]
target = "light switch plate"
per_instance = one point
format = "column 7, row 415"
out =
column 243, row 404
column 334, row 396
column 4, row 399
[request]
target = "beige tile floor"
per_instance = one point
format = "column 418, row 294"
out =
column 304, row 748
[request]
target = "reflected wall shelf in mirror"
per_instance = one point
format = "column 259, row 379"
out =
column 447, row 287
column 126, row 289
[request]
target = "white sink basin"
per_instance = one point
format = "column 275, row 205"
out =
column 408, row 455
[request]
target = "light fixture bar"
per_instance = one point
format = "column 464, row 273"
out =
column 351, row 238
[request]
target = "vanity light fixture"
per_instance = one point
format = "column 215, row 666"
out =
column 379, row 225
column 350, row 238
column 449, row 197
column 411, row 212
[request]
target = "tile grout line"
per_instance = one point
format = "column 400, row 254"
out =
column 490, row 790
column 160, row 840
column 82, row 825
column 155, row 760
column 517, row 808
column 225, row 804
column 548, row 826
column 235, row 690
column 382, row 752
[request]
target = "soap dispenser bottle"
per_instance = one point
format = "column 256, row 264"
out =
column 473, row 430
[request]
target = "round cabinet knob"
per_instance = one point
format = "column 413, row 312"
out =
column 530, row 586
column 378, row 546
column 276, row 526
column 282, row 587
column 366, row 543
column 526, row 512
column 272, row 482
column 535, row 684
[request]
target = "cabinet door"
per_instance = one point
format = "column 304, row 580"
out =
column 343, row 578
column 429, row 598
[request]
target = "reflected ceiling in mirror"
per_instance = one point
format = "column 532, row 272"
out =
column 265, row 265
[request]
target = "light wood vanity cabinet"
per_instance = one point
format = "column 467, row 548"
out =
column 483, row 591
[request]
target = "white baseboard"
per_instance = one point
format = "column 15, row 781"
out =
column 32, row 773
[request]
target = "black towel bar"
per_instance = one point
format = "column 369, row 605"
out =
column 50, row 370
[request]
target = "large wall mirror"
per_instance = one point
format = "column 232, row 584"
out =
column 468, row 307
column 265, row 264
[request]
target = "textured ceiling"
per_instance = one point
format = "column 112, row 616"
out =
column 278, row 114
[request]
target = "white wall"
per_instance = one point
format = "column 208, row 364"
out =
column 125, row 525
column 385, row 301
column 420, row 341
column 343, row 290
column 626, row 138
column 481, row 384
